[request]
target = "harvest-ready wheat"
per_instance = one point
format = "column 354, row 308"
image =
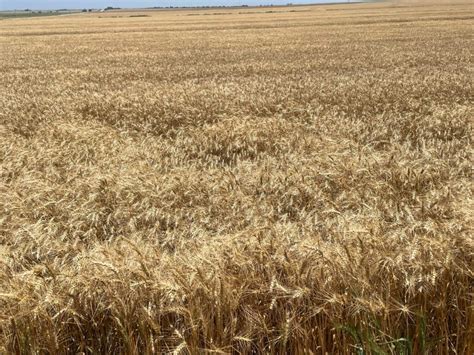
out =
column 284, row 180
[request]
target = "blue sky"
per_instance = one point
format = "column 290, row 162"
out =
column 79, row 4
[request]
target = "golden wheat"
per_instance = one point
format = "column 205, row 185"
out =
column 293, row 180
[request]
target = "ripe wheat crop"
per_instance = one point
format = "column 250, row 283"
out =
column 287, row 181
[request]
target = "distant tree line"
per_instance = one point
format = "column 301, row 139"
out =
column 212, row 6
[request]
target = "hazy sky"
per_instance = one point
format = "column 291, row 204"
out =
column 78, row 4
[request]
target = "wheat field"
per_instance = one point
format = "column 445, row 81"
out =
column 285, row 180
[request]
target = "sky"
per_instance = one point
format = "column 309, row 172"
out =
column 79, row 4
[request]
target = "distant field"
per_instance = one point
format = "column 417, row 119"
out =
column 294, row 180
column 20, row 14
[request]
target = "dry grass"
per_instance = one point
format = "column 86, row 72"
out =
column 247, row 182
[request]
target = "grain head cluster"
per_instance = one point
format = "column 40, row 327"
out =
column 293, row 180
